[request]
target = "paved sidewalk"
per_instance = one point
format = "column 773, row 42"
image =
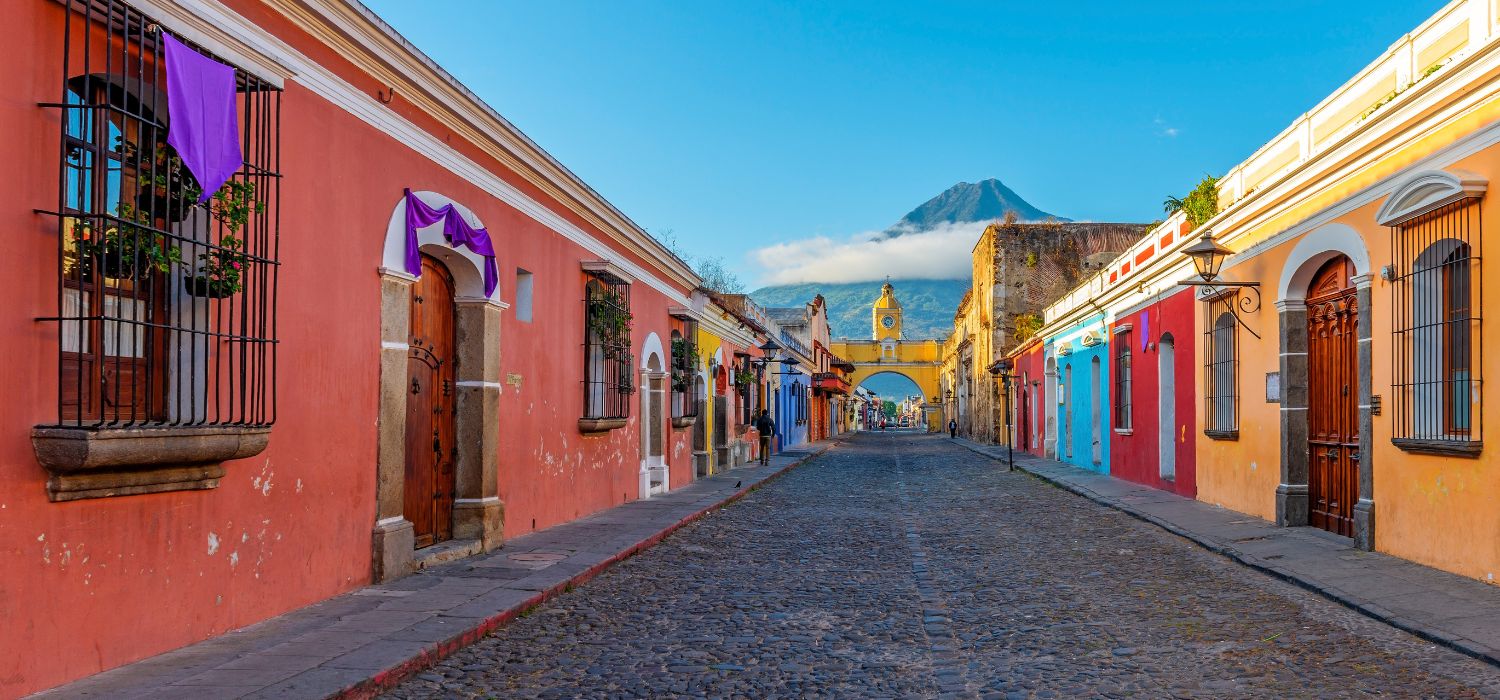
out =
column 361, row 643
column 1457, row 612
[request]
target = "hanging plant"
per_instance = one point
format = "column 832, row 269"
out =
column 125, row 249
column 609, row 320
column 744, row 377
column 220, row 270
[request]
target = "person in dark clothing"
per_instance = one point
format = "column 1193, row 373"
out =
column 766, row 427
column 952, row 428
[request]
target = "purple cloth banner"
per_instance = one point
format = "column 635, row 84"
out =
column 1145, row 330
column 455, row 230
column 201, row 107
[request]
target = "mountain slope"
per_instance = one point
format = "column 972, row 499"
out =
column 927, row 305
column 965, row 202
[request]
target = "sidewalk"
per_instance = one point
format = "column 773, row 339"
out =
column 1457, row 612
column 364, row 642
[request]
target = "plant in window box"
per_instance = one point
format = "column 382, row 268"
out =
column 123, row 250
column 220, row 271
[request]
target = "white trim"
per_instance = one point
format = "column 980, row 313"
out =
column 1426, row 190
column 467, row 299
column 653, row 346
column 209, row 25
column 393, row 345
column 486, row 499
column 608, row 267
column 1122, row 328
column 393, row 520
column 397, row 273
column 1316, row 248
column 431, row 240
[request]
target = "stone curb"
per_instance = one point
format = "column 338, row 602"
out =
column 1364, row 607
column 435, row 652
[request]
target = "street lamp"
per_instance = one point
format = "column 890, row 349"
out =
column 1001, row 370
column 1208, row 255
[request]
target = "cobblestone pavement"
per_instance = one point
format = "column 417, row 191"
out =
column 899, row 565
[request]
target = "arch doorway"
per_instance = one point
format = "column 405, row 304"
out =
column 1166, row 406
column 653, row 416
column 1332, row 397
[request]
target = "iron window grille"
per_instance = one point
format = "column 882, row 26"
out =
column 166, row 308
column 685, row 379
column 1221, row 371
column 607, row 361
column 1123, row 381
column 1436, row 343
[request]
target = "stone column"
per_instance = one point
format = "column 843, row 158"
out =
column 478, row 513
column 393, row 540
column 1291, row 494
column 1364, row 508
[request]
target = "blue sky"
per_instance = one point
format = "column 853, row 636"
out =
column 764, row 132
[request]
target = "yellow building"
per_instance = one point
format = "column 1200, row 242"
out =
column 1341, row 384
column 889, row 351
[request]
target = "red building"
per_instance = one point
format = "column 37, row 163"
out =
column 251, row 405
column 1152, row 367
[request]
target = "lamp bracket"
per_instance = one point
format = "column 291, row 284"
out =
column 1219, row 290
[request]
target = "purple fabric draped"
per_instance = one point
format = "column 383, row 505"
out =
column 455, row 230
column 1145, row 330
column 204, row 129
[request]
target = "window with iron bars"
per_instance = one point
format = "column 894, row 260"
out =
column 1221, row 357
column 1436, row 340
column 607, row 381
column 685, row 379
column 166, row 306
column 1123, row 380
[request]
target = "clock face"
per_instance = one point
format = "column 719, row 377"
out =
column 888, row 321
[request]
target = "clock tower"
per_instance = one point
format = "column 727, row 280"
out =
column 886, row 315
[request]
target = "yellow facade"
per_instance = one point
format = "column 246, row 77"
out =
column 917, row 360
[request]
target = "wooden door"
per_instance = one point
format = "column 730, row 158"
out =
column 430, row 447
column 1332, row 401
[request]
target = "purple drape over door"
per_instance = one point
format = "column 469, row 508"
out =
column 205, row 127
column 455, row 230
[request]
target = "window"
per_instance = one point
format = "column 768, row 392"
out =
column 685, row 379
column 166, row 307
column 523, row 295
column 1221, row 375
column 1122, row 380
column 607, row 384
column 1436, row 339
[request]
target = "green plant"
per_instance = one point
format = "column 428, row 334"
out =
column 1200, row 205
column 126, row 247
column 220, row 270
column 1031, row 259
column 744, row 377
column 165, row 188
column 684, row 354
column 1026, row 325
column 609, row 320
column 233, row 204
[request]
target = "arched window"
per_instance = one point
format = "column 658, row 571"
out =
column 1220, row 377
column 1436, row 344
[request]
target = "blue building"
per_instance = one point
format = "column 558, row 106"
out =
column 1081, row 357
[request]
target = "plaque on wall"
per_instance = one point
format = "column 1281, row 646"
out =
column 1273, row 387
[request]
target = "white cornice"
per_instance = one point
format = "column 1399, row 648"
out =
column 1425, row 191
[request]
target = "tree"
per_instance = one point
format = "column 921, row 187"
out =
column 1200, row 205
column 889, row 407
column 711, row 270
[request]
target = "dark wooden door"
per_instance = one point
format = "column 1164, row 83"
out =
column 430, row 406
column 1332, row 401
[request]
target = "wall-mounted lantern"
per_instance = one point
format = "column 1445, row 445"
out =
column 1208, row 256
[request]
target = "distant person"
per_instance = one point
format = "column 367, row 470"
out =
column 766, row 427
column 882, row 425
column 952, row 428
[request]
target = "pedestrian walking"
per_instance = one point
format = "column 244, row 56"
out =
column 766, row 427
column 952, row 428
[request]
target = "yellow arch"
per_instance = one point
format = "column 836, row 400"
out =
column 916, row 360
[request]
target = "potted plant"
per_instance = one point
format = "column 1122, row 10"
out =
column 683, row 353
column 167, row 189
column 125, row 249
column 221, row 270
column 744, row 377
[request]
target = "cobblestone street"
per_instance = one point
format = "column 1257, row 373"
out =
column 900, row 565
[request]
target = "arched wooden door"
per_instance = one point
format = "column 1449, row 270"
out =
column 430, row 444
column 1332, row 398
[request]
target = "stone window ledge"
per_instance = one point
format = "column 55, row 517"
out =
column 681, row 422
column 600, row 425
column 1124, row 431
column 1229, row 435
column 100, row 463
column 1452, row 448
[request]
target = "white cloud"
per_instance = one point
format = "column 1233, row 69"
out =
column 940, row 253
column 1164, row 129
